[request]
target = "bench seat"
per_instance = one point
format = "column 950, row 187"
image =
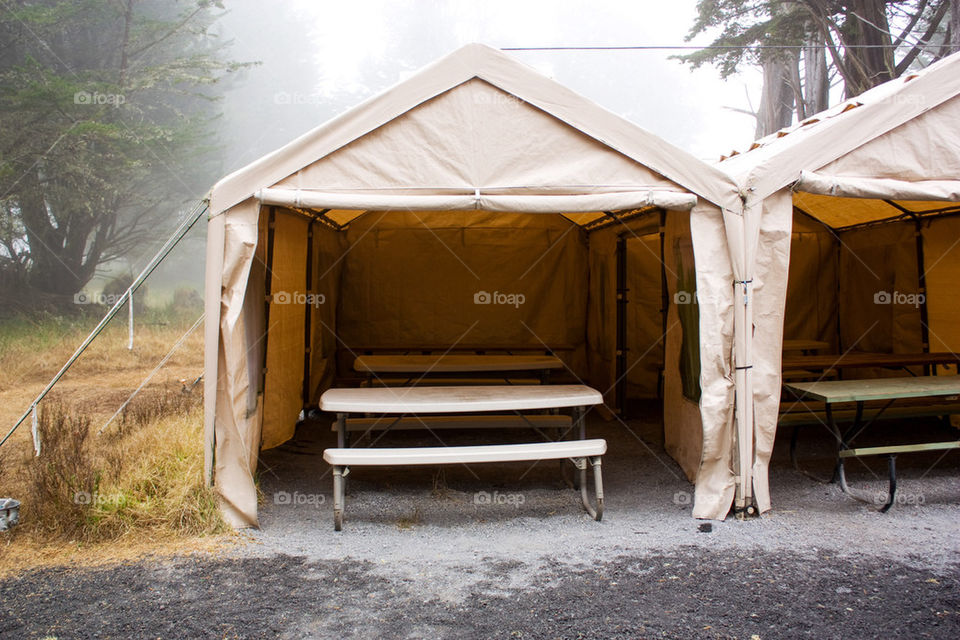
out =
column 355, row 457
column 581, row 452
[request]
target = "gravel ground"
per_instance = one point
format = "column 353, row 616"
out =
column 420, row 557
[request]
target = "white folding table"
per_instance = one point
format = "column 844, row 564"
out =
column 417, row 401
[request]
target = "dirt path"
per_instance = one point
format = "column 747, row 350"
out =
column 693, row 593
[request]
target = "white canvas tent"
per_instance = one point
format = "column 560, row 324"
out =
column 393, row 215
column 854, row 202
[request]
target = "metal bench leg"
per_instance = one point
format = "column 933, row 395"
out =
column 338, row 496
column 892, row 467
column 595, row 512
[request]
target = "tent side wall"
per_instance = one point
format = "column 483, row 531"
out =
column 812, row 305
column 941, row 256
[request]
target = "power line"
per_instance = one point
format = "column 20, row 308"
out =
column 659, row 47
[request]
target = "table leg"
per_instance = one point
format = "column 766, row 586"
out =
column 580, row 422
column 342, row 430
column 843, row 442
column 338, row 498
column 891, row 496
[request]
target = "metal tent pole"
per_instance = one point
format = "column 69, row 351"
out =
column 168, row 246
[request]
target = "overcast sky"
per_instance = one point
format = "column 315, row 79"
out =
column 320, row 57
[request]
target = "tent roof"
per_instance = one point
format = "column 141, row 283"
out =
column 775, row 161
column 433, row 110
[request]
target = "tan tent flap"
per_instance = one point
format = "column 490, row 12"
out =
column 541, row 203
column 285, row 335
column 698, row 286
column 880, row 188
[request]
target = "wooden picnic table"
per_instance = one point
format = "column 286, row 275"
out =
column 860, row 359
column 831, row 392
column 805, row 346
column 444, row 365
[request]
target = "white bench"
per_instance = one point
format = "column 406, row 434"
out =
column 580, row 452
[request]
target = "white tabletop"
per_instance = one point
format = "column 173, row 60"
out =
column 458, row 399
column 454, row 363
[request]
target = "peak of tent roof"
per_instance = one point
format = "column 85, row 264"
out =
column 505, row 74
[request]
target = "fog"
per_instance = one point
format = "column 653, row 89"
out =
column 317, row 59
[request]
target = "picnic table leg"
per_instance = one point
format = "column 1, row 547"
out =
column 338, row 498
column 843, row 442
column 892, row 468
column 580, row 427
column 581, row 463
column 342, row 430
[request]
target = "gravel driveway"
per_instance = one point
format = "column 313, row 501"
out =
column 506, row 552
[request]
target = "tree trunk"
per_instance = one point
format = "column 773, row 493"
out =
column 870, row 58
column 954, row 26
column 777, row 100
column 816, row 78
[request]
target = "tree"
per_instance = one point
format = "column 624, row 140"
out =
column 804, row 44
column 105, row 112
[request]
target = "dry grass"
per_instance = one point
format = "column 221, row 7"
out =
column 139, row 485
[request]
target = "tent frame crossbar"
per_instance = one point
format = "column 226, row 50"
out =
column 613, row 217
column 199, row 210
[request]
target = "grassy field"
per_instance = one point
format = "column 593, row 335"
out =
column 136, row 484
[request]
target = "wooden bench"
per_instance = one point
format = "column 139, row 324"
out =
column 891, row 452
column 580, row 452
